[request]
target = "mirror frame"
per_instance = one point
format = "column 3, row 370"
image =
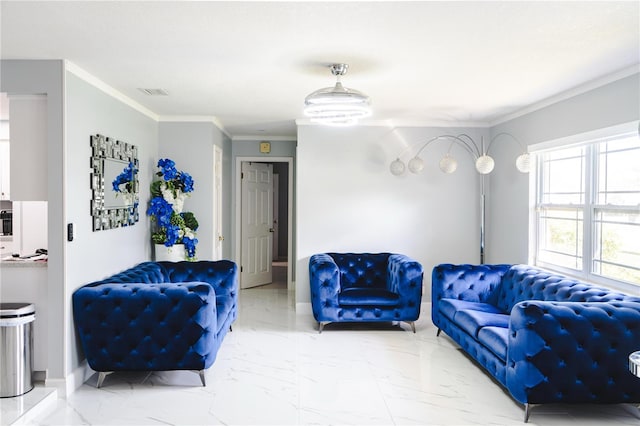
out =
column 102, row 149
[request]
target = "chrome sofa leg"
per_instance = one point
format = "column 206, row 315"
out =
column 321, row 325
column 201, row 372
column 527, row 411
column 438, row 333
column 412, row 324
column 101, row 376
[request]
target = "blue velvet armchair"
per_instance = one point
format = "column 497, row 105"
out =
column 365, row 287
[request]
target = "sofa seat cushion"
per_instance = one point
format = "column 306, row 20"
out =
column 367, row 297
column 449, row 307
column 472, row 321
column 495, row 339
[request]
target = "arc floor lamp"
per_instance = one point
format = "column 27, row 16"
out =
column 484, row 164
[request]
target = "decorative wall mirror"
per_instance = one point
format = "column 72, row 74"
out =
column 114, row 183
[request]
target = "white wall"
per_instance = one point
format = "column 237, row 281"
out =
column 45, row 77
column 190, row 145
column 507, row 221
column 348, row 201
column 94, row 255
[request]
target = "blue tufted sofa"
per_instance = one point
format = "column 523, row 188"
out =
column 355, row 287
column 157, row 316
column 544, row 337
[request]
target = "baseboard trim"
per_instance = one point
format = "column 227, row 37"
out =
column 72, row 381
column 39, row 376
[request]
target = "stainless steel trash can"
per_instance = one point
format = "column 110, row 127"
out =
column 16, row 348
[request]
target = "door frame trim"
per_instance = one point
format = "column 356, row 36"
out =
column 238, row 209
column 217, row 198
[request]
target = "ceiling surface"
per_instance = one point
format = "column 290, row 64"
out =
column 251, row 64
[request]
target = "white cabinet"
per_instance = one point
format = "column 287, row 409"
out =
column 30, row 226
column 5, row 186
column 28, row 121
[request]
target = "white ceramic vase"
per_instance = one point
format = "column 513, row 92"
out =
column 175, row 253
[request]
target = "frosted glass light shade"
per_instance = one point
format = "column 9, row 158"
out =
column 448, row 164
column 397, row 167
column 416, row 165
column 337, row 106
column 485, row 164
column 523, row 163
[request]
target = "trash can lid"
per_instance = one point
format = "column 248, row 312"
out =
column 15, row 310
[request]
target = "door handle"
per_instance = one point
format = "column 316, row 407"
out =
column 271, row 230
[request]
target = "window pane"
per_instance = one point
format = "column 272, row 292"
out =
column 563, row 176
column 560, row 237
column 617, row 245
column 619, row 177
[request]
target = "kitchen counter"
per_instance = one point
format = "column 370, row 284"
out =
column 36, row 260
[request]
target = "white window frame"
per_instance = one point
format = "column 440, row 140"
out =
column 588, row 138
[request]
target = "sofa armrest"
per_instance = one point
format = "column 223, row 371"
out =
column 404, row 277
column 140, row 326
column 573, row 351
column 222, row 275
column 324, row 280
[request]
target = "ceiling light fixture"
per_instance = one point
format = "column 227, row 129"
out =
column 338, row 105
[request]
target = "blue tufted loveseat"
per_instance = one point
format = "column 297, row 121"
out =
column 544, row 337
column 361, row 287
column 157, row 316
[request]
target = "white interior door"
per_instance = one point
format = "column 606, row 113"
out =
column 218, row 238
column 257, row 224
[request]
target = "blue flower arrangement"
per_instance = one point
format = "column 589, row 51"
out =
column 125, row 184
column 126, row 178
column 172, row 225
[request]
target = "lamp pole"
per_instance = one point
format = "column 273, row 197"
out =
column 482, row 217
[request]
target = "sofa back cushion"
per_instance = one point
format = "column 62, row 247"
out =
column 220, row 274
column 362, row 270
column 523, row 282
column 147, row 272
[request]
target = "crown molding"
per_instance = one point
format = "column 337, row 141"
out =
column 268, row 138
column 575, row 91
column 404, row 123
column 194, row 119
column 437, row 123
column 109, row 90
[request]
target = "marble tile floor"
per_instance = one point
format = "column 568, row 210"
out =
column 276, row 369
column 24, row 408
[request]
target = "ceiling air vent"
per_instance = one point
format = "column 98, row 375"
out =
column 154, row 92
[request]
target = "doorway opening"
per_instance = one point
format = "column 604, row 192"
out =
column 264, row 206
